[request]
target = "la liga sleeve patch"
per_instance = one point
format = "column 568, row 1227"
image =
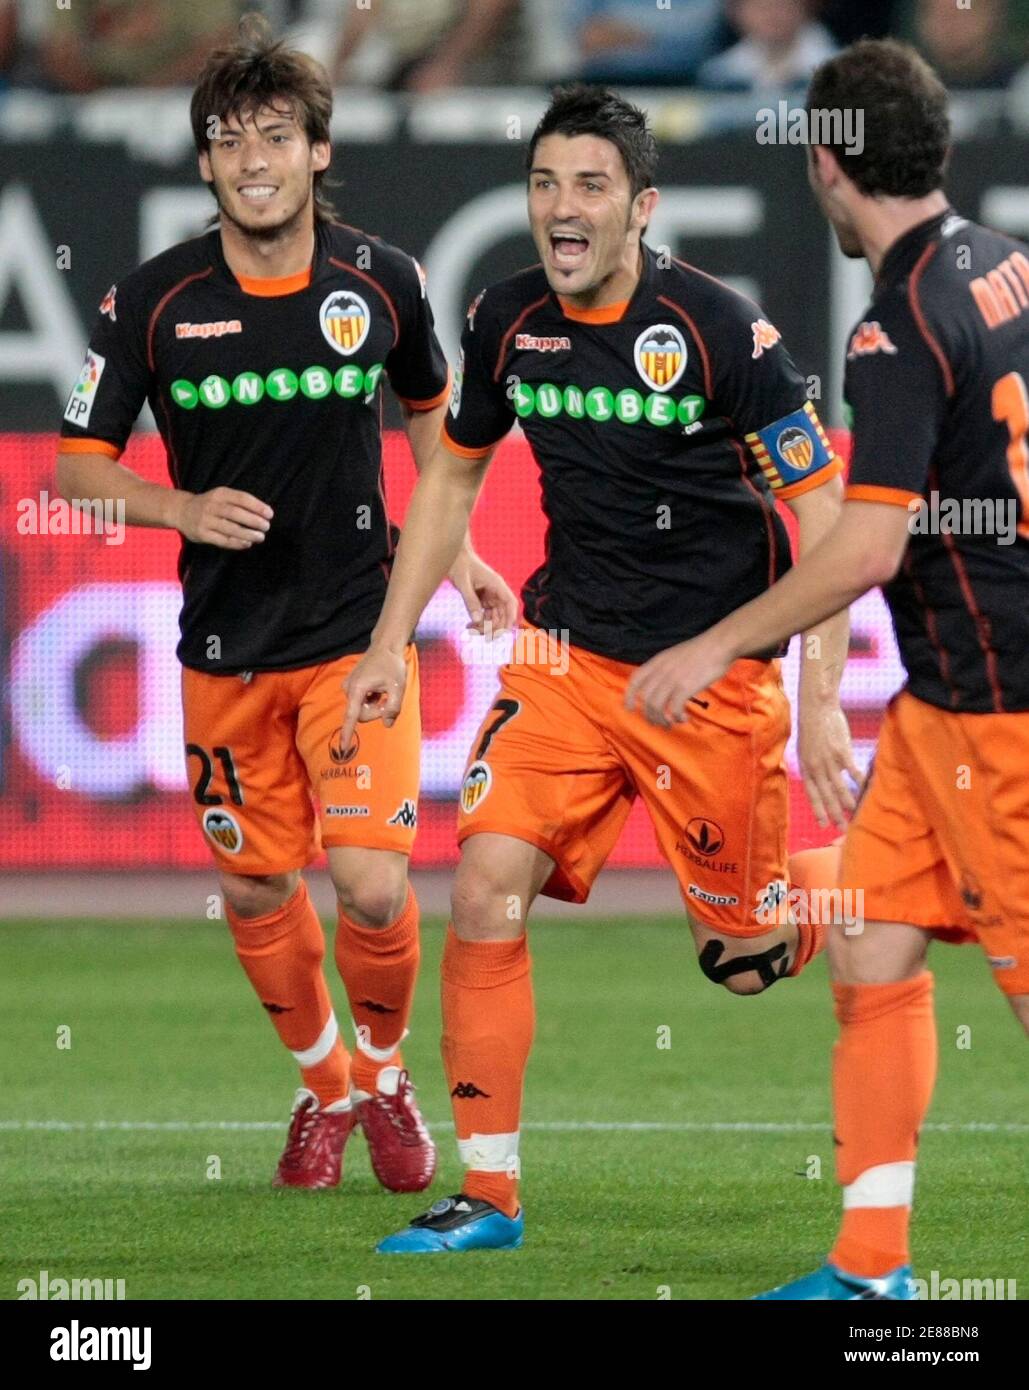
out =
column 792, row 449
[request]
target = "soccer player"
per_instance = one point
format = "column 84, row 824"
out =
column 936, row 381
column 261, row 347
column 666, row 417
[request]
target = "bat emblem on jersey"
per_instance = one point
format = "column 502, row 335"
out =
column 660, row 355
column 797, row 447
column 345, row 319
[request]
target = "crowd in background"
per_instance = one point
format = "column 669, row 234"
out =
column 424, row 46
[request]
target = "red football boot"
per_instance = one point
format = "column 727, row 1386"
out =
column 402, row 1152
column 313, row 1156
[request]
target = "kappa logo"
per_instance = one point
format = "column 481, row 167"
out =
column 348, row 812
column 869, row 337
column 345, row 320
column 217, row 329
column 796, row 447
column 772, row 895
column 224, row 830
column 475, row 787
column 467, row 1090
column 766, row 336
column 660, row 356
column 107, row 304
column 971, row 891
column 528, row 342
column 715, row 899
column 406, row 814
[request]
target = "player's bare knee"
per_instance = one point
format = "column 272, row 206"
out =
column 255, row 895
column 376, row 903
column 478, row 907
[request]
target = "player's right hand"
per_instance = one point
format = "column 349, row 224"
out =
column 375, row 690
column 224, row 517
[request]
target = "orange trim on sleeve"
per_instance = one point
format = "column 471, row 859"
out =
column 824, row 475
column 607, row 313
column 88, row 446
column 868, row 492
column 271, row 286
column 429, row 405
column 461, row 450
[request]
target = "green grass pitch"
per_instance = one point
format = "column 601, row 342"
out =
column 164, row 1029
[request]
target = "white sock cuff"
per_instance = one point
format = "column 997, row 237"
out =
column 490, row 1153
column 885, row 1185
column 377, row 1054
column 311, row 1056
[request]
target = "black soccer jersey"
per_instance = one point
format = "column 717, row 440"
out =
column 662, row 428
column 277, row 394
column 936, row 384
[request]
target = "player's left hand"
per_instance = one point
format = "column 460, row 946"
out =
column 825, row 753
column 665, row 683
column 492, row 607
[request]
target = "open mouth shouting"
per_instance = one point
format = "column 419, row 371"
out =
column 568, row 249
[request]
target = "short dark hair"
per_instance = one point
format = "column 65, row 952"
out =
column 906, row 126
column 579, row 109
column 260, row 70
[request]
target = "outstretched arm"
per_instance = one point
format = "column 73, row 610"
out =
column 863, row 549
column 434, row 530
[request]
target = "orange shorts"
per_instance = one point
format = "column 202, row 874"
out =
column 260, row 753
column 558, row 761
column 941, row 838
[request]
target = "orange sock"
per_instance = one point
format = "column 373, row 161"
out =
column 379, row 966
column 282, row 954
column 812, row 869
column 488, row 1022
column 884, row 1069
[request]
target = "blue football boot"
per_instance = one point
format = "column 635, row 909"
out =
column 832, row 1283
column 457, row 1223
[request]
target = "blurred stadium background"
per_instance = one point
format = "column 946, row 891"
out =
column 435, row 99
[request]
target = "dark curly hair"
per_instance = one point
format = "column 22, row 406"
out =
column 906, row 126
column 257, row 71
column 578, row 109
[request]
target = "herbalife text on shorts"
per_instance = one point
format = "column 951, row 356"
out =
column 82, row 516
column 786, row 125
column 964, row 516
